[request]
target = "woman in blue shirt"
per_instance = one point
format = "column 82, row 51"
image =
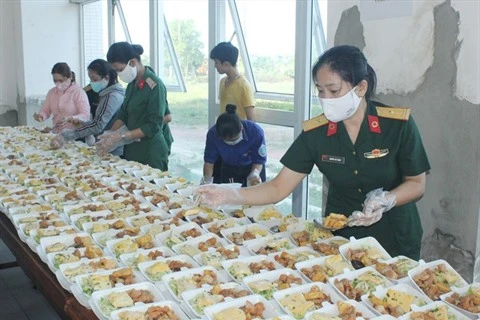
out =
column 241, row 146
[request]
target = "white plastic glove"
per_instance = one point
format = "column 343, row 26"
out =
column 215, row 195
column 57, row 142
column 206, row 180
column 254, row 178
column 376, row 203
column 110, row 140
column 90, row 140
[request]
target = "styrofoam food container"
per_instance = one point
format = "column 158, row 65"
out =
column 188, row 274
column 179, row 313
column 195, row 242
column 253, row 228
column 70, row 209
column 354, row 274
column 364, row 243
column 269, row 311
column 321, row 261
column 432, row 265
column 217, row 257
column 336, row 240
column 277, row 222
column 83, row 297
column 97, row 296
column 226, row 224
column 256, row 244
column 254, row 213
column 452, row 312
column 143, row 266
column 94, row 215
column 462, row 292
column 159, row 215
column 189, row 295
column 305, row 288
column 66, row 281
column 111, row 243
column 307, row 252
column 69, row 251
column 227, row 264
column 412, row 264
column 159, row 226
column 273, row 276
column 380, row 293
column 129, row 258
column 332, row 310
column 88, row 226
column 68, row 240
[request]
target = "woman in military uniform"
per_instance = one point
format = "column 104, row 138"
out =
column 241, row 146
column 139, row 122
column 372, row 156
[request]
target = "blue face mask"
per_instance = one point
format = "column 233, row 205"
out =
column 98, row 86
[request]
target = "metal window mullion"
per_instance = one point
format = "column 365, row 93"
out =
column 302, row 94
column 173, row 55
column 123, row 21
column 318, row 28
column 82, row 46
column 111, row 21
column 154, row 35
column 216, row 33
column 242, row 45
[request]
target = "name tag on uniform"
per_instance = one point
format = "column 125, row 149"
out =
column 333, row 159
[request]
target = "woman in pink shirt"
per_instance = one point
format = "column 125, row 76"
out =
column 67, row 102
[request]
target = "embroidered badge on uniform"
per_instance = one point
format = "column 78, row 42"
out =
column 141, row 84
column 262, row 151
column 152, row 84
column 376, row 153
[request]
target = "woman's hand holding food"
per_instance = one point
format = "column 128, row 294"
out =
column 376, row 203
column 38, row 117
column 57, row 142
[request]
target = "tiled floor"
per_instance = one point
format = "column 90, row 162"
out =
column 19, row 300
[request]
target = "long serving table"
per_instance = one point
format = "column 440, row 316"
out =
column 61, row 300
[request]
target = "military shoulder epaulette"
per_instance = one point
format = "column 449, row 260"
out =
column 87, row 88
column 397, row 113
column 151, row 83
column 316, row 122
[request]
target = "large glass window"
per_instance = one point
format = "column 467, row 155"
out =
column 188, row 30
column 95, row 33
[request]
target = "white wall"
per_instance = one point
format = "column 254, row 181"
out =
column 10, row 57
column 50, row 34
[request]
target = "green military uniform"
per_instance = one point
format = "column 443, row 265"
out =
column 388, row 148
column 144, row 107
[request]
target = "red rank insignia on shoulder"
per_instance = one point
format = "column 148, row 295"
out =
column 141, row 84
column 374, row 124
column 332, row 128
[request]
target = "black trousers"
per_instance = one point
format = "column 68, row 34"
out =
column 238, row 174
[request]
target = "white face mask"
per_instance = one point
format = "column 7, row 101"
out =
column 234, row 142
column 128, row 74
column 339, row 109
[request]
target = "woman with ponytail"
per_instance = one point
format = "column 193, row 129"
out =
column 139, row 122
column 372, row 156
column 67, row 100
column 240, row 144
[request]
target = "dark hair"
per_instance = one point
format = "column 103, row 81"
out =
column 350, row 64
column 63, row 69
column 228, row 124
column 225, row 51
column 103, row 68
column 123, row 52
